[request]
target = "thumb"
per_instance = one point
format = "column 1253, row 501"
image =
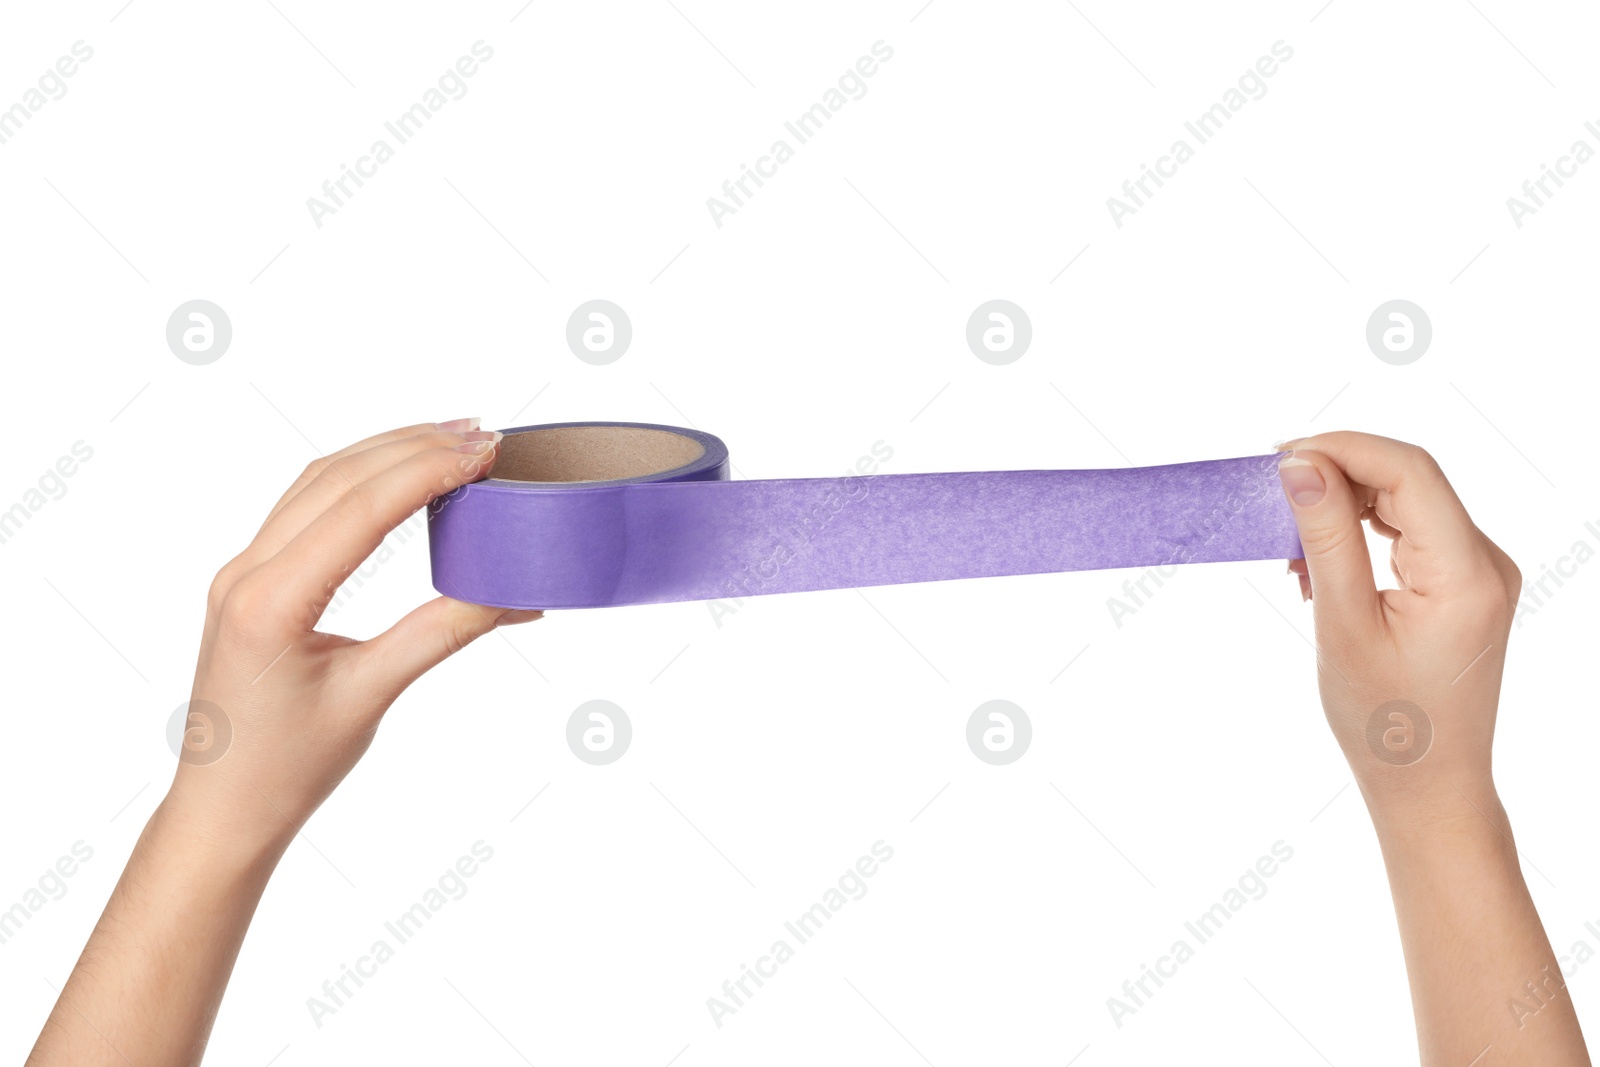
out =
column 1328, row 516
column 428, row 636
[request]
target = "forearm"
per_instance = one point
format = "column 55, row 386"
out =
column 1481, row 969
column 147, row 986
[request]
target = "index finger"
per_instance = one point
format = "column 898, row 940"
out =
column 322, row 463
column 1413, row 495
column 310, row 568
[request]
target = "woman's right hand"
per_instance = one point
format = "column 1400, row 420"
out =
column 1409, row 677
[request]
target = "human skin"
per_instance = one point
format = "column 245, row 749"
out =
column 303, row 707
column 1485, row 987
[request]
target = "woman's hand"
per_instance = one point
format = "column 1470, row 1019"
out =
column 302, row 706
column 1410, row 682
column 1410, row 677
column 280, row 712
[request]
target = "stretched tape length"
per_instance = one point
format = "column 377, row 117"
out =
column 604, row 514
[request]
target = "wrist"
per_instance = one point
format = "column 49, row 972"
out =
column 201, row 832
column 1415, row 812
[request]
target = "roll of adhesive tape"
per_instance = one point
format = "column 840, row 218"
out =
column 601, row 514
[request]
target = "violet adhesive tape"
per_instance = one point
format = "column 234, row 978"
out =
column 602, row 514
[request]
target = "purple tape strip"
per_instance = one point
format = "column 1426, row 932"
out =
column 690, row 534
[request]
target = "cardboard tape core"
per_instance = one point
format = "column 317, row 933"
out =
column 592, row 454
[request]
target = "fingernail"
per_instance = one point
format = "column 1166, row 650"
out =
column 457, row 425
column 512, row 618
column 479, row 445
column 1302, row 482
column 480, row 435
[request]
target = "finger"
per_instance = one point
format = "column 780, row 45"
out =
column 302, row 578
column 426, row 637
column 1379, row 526
column 325, row 490
column 1394, row 566
column 1328, row 516
column 1413, row 496
column 317, row 466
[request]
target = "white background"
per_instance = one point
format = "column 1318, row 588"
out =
column 827, row 314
